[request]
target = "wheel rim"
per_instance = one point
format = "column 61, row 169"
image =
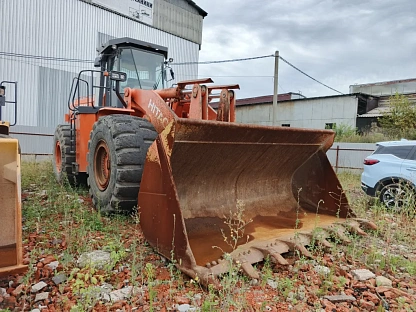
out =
column 395, row 197
column 58, row 157
column 102, row 167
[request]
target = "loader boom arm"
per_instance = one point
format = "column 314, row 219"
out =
column 161, row 107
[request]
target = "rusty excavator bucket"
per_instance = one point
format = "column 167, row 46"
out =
column 10, row 208
column 204, row 182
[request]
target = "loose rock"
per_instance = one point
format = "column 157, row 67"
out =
column 18, row 290
column 58, row 279
column 323, row 270
column 383, row 281
column 53, row 265
column 121, row 294
column 182, row 300
column 97, row 259
column 340, row 298
column 301, row 295
column 272, row 283
column 185, row 308
column 41, row 296
column 56, row 241
column 368, row 305
column 38, row 286
column 362, row 274
column 3, row 291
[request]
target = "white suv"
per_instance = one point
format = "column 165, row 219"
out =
column 390, row 173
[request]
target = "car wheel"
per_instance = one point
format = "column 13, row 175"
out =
column 396, row 196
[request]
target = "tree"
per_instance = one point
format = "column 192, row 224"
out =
column 400, row 121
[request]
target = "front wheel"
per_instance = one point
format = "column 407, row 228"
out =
column 116, row 155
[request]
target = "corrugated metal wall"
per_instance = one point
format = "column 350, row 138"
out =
column 67, row 29
column 179, row 18
column 304, row 113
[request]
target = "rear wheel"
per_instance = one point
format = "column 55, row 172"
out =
column 397, row 196
column 116, row 155
column 62, row 159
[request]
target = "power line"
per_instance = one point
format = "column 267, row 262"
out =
column 45, row 58
column 40, row 63
column 254, row 58
column 69, row 60
column 227, row 76
column 224, row 61
column 301, row 71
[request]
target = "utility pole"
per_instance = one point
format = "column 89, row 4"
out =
column 276, row 83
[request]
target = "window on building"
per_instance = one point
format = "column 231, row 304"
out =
column 285, row 125
column 331, row 125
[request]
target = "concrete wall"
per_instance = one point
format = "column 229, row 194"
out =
column 303, row 113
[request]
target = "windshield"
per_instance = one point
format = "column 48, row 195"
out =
column 144, row 69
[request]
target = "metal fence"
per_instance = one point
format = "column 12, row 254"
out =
column 37, row 145
column 349, row 156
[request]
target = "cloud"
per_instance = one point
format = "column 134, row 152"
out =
column 337, row 42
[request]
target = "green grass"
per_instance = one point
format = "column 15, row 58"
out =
column 394, row 228
column 60, row 214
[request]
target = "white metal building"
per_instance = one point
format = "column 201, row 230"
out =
column 45, row 43
column 298, row 111
column 386, row 88
column 317, row 113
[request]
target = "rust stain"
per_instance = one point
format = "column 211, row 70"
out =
column 208, row 244
column 152, row 155
column 164, row 138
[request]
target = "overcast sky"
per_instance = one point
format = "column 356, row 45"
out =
column 339, row 42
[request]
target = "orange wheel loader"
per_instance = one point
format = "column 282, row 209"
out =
column 195, row 175
column 11, row 253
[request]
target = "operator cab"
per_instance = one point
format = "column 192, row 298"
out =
column 143, row 63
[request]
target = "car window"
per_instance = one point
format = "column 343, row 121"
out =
column 398, row 151
column 412, row 155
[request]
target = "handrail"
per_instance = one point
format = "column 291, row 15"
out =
column 11, row 102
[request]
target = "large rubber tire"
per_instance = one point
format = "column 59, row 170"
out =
column 62, row 159
column 116, row 155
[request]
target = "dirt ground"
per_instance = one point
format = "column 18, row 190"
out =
column 60, row 224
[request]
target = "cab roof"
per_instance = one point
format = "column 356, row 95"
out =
column 134, row 43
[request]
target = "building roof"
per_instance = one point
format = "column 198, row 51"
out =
column 291, row 96
column 264, row 99
column 383, row 83
column 198, row 8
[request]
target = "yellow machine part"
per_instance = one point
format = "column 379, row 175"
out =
column 10, row 208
